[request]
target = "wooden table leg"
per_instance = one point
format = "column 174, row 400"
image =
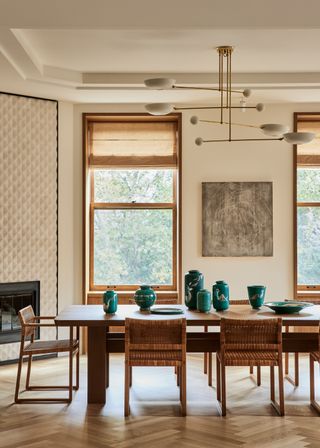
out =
column 97, row 365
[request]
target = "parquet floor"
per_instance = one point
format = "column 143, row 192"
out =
column 155, row 420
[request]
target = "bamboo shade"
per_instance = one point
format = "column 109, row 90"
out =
column 313, row 148
column 132, row 138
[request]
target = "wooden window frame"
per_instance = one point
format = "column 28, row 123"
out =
column 300, row 161
column 92, row 162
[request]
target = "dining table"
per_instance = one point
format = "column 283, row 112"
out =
column 101, row 341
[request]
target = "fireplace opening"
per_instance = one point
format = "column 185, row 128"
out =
column 14, row 297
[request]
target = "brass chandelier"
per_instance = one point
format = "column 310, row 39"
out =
column 273, row 131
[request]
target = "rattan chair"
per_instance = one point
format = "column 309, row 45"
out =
column 207, row 367
column 155, row 343
column 314, row 357
column 250, row 343
column 29, row 347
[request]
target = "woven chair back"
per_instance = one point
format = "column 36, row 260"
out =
column 26, row 316
column 249, row 335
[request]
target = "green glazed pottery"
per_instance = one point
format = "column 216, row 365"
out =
column 110, row 302
column 256, row 295
column 220, row 295
column 145, row 297
column 287, row 307
column 164, row 310
column 193, row 282
column 204, row 301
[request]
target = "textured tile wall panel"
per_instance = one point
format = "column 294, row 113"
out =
column 28, row 200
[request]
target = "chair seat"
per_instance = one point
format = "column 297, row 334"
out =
column 251, row 358
column 62, row 345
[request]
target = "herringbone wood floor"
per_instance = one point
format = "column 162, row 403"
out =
column 155, row 413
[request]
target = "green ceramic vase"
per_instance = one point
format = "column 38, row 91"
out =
column 193, row 282
column 145, row 297
column 220, row 295
column 256, row 295
column 204, row 301
column 110, row 302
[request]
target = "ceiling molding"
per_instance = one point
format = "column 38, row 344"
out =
column 17, row 56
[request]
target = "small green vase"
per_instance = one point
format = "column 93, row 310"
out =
column 220, row 295
column 145, row 297
column 204, row 301
column 110, row 302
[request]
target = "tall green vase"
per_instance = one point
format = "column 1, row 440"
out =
column 193, row 282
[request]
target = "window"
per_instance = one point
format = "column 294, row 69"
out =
column 307, row 211
column 132, row 196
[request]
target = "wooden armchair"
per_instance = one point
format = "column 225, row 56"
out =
column 155, row 343
column 29, row 323
column 314, row 357
column 250, row 343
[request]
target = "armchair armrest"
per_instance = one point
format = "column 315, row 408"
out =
column 35, row 325
column 44, row 317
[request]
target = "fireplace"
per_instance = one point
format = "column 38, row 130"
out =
column 14, row 297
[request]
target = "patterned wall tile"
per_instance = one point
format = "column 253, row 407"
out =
column 28, row 200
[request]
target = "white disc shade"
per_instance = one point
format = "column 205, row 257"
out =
column 159, row 83
column 159, row 108
column 299, row 138
column 274, row 129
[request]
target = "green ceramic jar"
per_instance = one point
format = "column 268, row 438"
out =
column 204, row 301
column 193, row 282
column 110, row 302
column 145, row 297
column 220, row 295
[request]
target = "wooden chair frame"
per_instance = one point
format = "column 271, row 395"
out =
column 314, row 357
column 29, row 325
column 138, row 353
column 254, row 341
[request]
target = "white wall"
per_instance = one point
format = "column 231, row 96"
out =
column 241, row 161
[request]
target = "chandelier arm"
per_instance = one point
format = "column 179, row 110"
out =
column 215, row 89
column 244, row 140
column 235, row 124
column 212, row 107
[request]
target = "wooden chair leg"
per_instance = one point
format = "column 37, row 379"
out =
column 223, row 390
column 313, row 401
column 258, row 375
column 77, row 369
column 130, row 376
column 296, row 369
column 16, row 395
column 183, row 389
column 210, row 369
column 281, row 391
column 178, row 376
column 218, row 378
column 251, row 370
column 126, row 390
column 286, row 363
column 28, row 372
column 272, row 388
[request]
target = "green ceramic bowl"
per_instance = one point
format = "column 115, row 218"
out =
column 287, row 307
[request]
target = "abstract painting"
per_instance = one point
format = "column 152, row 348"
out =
column 237, row 219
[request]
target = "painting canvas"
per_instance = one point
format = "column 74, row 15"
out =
column 237, row 219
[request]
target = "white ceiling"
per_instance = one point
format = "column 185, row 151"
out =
column 101, row 51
